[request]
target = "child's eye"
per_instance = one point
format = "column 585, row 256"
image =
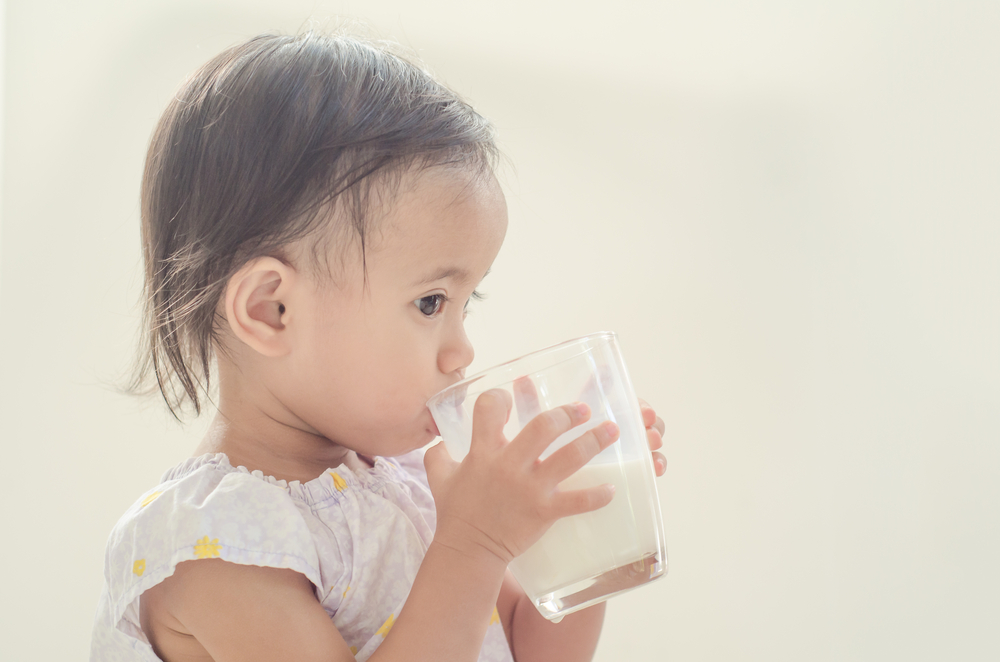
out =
column 430, row 305
column 476, row 296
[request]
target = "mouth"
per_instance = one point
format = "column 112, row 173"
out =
column 433, row 428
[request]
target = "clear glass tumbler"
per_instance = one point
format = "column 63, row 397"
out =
column 583, row 559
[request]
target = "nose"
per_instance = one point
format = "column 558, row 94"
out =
column 456, row 352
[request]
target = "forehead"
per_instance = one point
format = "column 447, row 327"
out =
column 443, row 222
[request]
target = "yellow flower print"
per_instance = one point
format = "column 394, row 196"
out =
column 345, row 592
column 384, row 630
column 354, row 650
column 139, row 567
column 339, row 482
column 149, row 499
column 204, row 549
column 495, row 618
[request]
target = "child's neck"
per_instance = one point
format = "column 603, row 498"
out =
column 253, row 438
column 301, row 459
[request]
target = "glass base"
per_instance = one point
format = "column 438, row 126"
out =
column 582, row 594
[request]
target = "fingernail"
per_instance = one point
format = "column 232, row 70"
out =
column 610, row 428
column 582, row 409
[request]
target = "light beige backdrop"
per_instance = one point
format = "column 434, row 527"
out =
column 788, row 212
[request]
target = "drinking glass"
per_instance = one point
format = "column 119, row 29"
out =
column 582, row 559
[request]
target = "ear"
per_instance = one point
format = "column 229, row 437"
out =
column 256, row 307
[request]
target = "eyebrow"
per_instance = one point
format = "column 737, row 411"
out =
column 459, row 275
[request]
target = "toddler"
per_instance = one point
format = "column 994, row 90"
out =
column 316, row 215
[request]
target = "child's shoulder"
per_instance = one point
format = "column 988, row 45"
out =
column 200, row 489
column 204, row 508
column 207, row 508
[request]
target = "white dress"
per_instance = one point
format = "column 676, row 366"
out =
column 359, row 537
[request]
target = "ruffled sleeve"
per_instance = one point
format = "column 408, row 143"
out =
column 203, row 509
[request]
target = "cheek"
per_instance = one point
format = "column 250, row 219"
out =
column 378, row 360
column 402, row 376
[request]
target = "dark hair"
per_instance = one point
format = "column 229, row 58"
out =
column 255, row 151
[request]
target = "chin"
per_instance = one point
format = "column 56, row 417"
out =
column 418, row 441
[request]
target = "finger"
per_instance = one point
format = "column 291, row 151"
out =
column 650, row 419
column 659, row 426
column 526, row 400
column 543, row 429
column 654, row 438
column 648, row 414
column 570, row 458
column 438, row 463
column 575, row 502
column 659, row 463
column 489, row 415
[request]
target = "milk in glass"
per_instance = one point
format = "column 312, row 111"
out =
column 586, row 546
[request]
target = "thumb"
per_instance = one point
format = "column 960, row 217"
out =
column 438, row 464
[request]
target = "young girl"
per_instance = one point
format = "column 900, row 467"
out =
column 316, row 214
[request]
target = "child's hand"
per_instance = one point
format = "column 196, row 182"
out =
column 527, row 407
column 654, row 435
column 502, row 498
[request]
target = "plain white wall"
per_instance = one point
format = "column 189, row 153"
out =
column 788, row 212
column 3, row 69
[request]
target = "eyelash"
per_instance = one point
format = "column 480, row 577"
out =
column 442, row 299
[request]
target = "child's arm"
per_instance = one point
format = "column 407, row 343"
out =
column 225, row 611
column 491, row 507
column 534, row 639
column 214, row 609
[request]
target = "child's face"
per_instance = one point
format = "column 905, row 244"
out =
column 367, row 361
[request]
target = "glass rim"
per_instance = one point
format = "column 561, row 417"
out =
column 465, row 383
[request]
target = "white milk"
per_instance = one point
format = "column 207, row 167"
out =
column 587, row 545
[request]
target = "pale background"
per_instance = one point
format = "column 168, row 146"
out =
column 788, row 211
